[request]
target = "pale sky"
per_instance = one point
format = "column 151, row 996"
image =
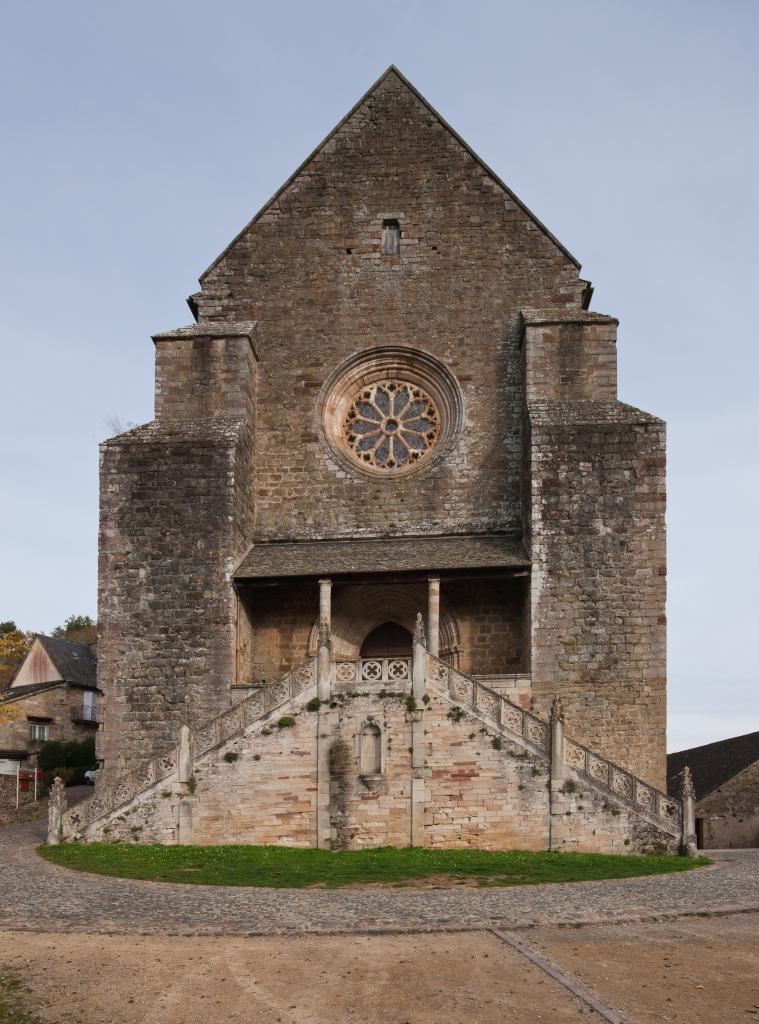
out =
column 139, row 138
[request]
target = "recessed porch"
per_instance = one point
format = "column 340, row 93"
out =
column 476, row 615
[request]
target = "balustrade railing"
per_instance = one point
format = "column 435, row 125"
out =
column 535, row 733
column 85, row 713
column 388, row 672
column 204, row 738
column 466, row 690
column 621, row 784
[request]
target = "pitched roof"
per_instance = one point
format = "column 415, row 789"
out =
column 75, row 662
column 392, row 70
column 395, row 554
column 713, row 763
column 16, row 692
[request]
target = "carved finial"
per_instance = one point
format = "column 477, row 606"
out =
column 55, row 810
column 557, row 711
column 325, row 636
column 420, row 637
column 687, row 787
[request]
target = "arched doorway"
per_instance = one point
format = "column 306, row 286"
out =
column 387, row 641
column 357, row 609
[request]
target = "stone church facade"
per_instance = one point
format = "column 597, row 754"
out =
column 390, row 512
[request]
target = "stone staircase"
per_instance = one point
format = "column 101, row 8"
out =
column 567, row 758
column 534, row 735
column 163, row 770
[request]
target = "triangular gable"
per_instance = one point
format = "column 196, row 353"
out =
column 392, row 70
column 37, row 667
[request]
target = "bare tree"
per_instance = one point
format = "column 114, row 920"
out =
column 116, row 424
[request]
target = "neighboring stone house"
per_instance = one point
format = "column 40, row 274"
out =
column 394, row 416
column 726, row 782
column 55, row 695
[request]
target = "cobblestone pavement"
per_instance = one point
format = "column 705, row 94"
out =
column 38, row 896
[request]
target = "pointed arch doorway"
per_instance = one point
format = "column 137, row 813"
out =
column 389, row 640
column 359, row 609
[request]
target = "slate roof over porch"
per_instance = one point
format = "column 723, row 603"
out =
column 388, row 554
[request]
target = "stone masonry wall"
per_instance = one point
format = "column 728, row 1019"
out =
column 481, row 788
column 599, row 577
column 174, row 506
column 267, row 795
column 730, row 814
column 309, row 270
column 199, row 374
column 278, row 624
column 490, row 615
column 570, row 360
column 587, row 820
column 481, row 791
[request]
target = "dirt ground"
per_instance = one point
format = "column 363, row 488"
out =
column 693, row 971
column 421, row 979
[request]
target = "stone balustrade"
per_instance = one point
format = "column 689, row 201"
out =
column 535, row 734
column 164, row 768
column 390, row 673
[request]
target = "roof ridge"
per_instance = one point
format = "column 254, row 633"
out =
column 714, row 743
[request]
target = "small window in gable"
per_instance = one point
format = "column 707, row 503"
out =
column 371, row 750
column 391, row 238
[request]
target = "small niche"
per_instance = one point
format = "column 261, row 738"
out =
column 371, row 750
column 391, row 238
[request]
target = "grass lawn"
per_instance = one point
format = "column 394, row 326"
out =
column 12, row 1002
column 285, row 867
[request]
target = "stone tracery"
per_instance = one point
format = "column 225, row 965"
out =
column 391, row 424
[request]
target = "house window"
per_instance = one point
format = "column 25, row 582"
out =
column 391, row 238
column 371, row 750
column 38, row 732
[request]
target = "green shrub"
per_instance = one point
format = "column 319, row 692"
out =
column 314, row 704
column 50, row 756
column 411, row 703
column 69, row 776
column 72, row 754
column 231, row 756
column 497, row 743
column 456, row 714
column 286, row 722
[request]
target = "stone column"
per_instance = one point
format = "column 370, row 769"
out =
column 688, row 794
column 184, row 756
column 325, row 602
column 419, row 661
column 433, row 615
column 418, row 762
column 55, row 810
column 324, row 662
column 557, row 744
column 325, row 726
column 558, row 801
column 414, row 717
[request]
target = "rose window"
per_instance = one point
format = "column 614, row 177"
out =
column 391, row 425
